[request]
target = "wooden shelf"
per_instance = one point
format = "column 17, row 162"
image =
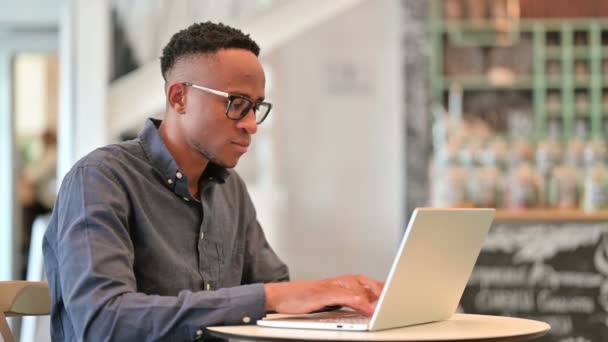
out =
column 523, row 25
column 550, row 215
column 482, row 82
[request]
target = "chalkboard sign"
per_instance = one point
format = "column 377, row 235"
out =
column 556, row 273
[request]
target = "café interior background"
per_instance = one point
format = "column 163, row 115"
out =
column 379, row 107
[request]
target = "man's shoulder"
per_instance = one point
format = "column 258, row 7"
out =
column 116, row 159
column 112, row 155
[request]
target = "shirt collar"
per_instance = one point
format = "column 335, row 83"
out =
column 162, row 160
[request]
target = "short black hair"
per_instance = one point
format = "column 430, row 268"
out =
column 207, row 37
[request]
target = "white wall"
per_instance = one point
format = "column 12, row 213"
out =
column 30, row 72
column 338, row 132
column 25, row 26
column 28, row 13
column 8, row 205
column 84, row 64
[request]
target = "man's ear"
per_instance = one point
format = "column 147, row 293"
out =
column 176, row 97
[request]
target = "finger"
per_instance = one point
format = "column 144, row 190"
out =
column 355, row 292
column 349, row 294
column 373, row 287
column 358, row 302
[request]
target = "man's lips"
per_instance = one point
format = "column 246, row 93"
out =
column 241, row 146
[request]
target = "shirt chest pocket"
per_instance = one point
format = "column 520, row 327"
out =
column 233, row 264
column 224, row 250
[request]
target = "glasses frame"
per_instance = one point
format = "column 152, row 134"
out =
column 255, row 105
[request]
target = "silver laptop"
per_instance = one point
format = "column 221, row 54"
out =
column 428, row 276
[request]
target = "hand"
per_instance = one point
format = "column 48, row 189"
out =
column 354, row 291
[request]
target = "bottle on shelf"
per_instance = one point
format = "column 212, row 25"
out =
column 595, row 184
column 499, row 149
column 595, row 152
column 564, row 187
column 575, row 146
column 523, row 185
column 548, row 157
column 595, row 188
column 486, row 182
column 449, row 180
column 565, row 184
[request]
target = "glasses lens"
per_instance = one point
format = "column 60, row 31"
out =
column 261, row 112
column 238, row 107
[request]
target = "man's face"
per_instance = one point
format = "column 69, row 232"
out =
column 204, row 123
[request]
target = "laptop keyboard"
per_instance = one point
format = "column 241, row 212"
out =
column 347, row 319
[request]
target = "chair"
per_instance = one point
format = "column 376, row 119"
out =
column 36, row 328
column 22, row 298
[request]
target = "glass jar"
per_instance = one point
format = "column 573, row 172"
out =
column 485, row 186
column 595, row 188
column 595, row 184
column 449, row 181
column 564, row 188
column 548, row 157
column 497, row 152
column 524, row 187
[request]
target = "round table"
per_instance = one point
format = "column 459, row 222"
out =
column 460, row 327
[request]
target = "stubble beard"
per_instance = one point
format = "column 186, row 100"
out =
column 210, row 156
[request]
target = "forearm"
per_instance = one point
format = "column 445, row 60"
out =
column 137, row 316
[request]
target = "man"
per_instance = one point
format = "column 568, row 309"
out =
column 157, row 238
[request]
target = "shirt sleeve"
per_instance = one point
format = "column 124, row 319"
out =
column 95, row 259
column 262, row 265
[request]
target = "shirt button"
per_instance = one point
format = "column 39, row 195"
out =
column 186, row 199
column 202, row 236
column 179, row 175
column 199, row 333
column 170, row 181
column 246, row 319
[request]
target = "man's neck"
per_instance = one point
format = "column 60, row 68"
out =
column 191, row 163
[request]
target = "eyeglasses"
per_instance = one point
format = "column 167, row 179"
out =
column 238, row 106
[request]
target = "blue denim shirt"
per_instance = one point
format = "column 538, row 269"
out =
column 131, row 256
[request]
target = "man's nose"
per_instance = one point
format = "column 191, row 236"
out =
column 248, row 122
